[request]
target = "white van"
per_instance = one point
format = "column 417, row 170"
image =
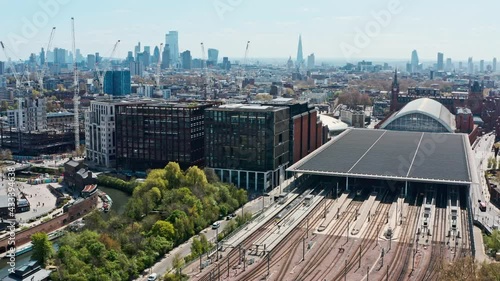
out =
column 153, row 277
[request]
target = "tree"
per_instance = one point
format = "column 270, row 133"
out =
column 42, row 247
column 493, row 241
column 489, row 271
column 195, row 177
column 163, row 229
column 461, row 269
column 177, row 263
column 174, row 174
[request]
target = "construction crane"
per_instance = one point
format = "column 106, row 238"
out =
column 76, row 97
column 158, row 91
column 12, row 67
column 101, row 73
column 204, row 69
column 44, row 67
column 242, row 69
column 246, row 53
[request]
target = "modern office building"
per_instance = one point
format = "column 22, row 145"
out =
column 91, row 61
column 481, row 66
column 310, row 61
column 414, row 61
column 2, row 67
column 494, row 65
column 136, row 68
column 172, row 39
column 100, row 139
column 165, row 58
column 31, row 115
column 117, row 83
column 186, row 60
column 307, row 132
column 213, row 56
column 248, row 145
column 151, row 134
column 440, row 62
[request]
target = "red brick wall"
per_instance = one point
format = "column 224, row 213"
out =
column 319, row 134
column 297, row 129
column 313, row 117
column 74, row 212
column 305, row 135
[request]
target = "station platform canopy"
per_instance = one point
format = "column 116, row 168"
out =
column 392, row 155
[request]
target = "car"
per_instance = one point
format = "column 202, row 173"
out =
column 153, row 277
column 229, row 218
column 215, row 225
column 233, row 215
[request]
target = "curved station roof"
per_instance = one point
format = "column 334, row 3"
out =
column 427, row 107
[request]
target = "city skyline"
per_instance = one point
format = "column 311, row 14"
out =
column 326, row 28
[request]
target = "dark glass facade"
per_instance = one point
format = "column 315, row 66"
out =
column 151, row 135
column 248, row 145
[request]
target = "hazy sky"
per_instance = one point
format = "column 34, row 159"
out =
column 329, row 27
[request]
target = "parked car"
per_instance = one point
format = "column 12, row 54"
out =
column 153, row 277
column 215, row 225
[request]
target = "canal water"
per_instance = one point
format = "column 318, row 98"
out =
column 20, row 261
column 119, row 198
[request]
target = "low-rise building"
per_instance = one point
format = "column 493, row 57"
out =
column 77, row 176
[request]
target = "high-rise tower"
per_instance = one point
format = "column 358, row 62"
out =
column 300, row 57
column 172, row 39
column 414, row 61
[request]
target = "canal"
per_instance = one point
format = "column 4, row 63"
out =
column 119, row 198
column 20, row 260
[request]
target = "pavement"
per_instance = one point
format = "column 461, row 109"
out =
column 478, row 239
column 254, row 206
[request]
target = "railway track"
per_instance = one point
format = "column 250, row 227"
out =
column 258, row 272
column 329, row 243
column 437, row 246
column 234, row 255
column 396, row 267
column 370, row 237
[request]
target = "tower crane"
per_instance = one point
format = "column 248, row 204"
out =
column 205, row 71
column 158, row 91
column 242, row 69
column 44, row 67
column 76, row 97
column 101, row 73
column 12, row 67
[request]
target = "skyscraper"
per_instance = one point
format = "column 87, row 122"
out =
column 117, row 82
column 156, row 55
column 440, row 62
column 137, row 50
column 414, row 61
column 130, row 56
column 300, row 56
column 481, row 66
column 2, row 67
column 42, row 57
column 449, row 65
column 470, row 66
column 90, row 61
column 311, row 61
column 186, row 60
column 213, row 56
column 172, row 39
column 59, row 56
column 165, row 58
column 494, row 64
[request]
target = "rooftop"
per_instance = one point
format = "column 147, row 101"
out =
column 429, row 107
column 246, row 107
column 391, row 155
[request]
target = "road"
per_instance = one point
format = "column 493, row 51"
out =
column 482, row 153
column 254, row 206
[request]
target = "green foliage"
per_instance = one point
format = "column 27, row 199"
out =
column 492, row 242
column 165, row 210
column 42, row 247
column 116, row 183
